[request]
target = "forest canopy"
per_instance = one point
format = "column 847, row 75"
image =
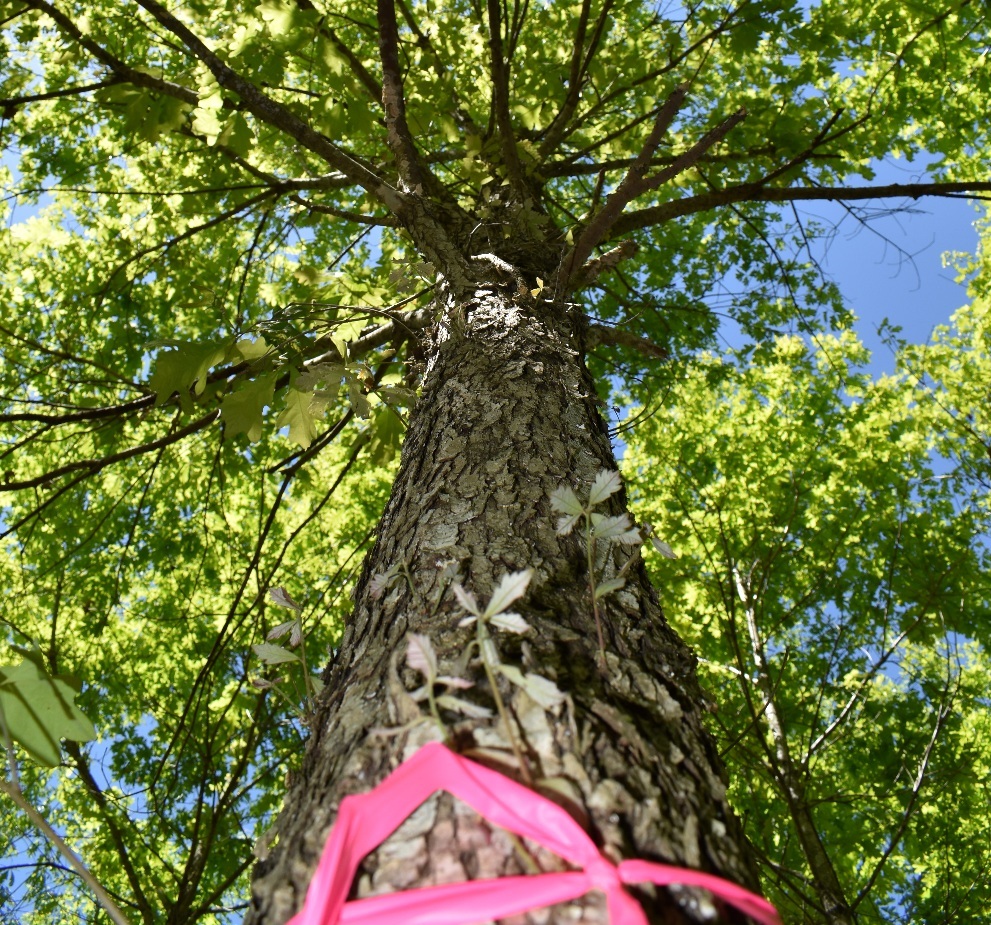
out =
column 226, row 230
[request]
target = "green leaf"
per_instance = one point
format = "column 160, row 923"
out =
column 274, row 655
column 511, row 673
column 607, row 587
column 283, row 629
column 565, row 525
column 509, row 621
column 300, row 416
column 279, row 17
column 386, row 435
column 237, row 135
column 466, row 599
column 282, row 598
column 663, row 548
column 606, row 484
column 249, row 349
column 511, row 586
column 39, row 710
column 543, row 691
column 182, row 367
column 465, row 707
column 615, row 527
column 318, row 374
column 565, row 501
column 242, row 409
column 420, row 655
column 357, row 398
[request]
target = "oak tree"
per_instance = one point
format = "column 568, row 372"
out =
column 274, row 241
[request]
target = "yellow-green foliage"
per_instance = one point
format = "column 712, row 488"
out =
column 831, row 520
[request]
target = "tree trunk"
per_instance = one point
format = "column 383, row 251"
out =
column 509, row 413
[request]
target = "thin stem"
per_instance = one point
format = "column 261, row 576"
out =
column 311, row 694
column 12, row 788
column 483, row 635
column 590, row 563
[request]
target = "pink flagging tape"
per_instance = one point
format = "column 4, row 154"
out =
column 365, row 820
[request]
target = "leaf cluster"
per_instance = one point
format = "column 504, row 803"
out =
column 833, row 579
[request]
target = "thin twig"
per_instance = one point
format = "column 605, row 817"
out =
column 12, row 788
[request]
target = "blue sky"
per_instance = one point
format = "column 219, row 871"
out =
column 895, row 269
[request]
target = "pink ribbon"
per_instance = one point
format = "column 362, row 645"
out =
column 365, row 820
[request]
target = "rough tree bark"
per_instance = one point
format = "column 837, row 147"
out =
column 508, row 413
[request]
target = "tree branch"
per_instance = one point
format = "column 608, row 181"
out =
column 272, row 113
column 589, row 272
column 95, row 465
column 357, row 217
column 123, row 72
column 439, row 65
column 12, row 102
column 616, row 337
column 603, row 101
column 500, row 98
column 13, row 790
column 630, row 187
column 412, row 174
column 224, row 216
column 895, row 838
column 354, row 62
column 754, row 192
column 82, row 767
column 694, row 154
column 568, row 168
column 579, row 63
column 85, row 414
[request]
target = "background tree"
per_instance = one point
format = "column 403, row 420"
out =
column 259, row 230
column 830, row 575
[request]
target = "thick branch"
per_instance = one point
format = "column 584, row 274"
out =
column 754, row 192
column 589, row 272
column 632, row 185
column 123, row 72
column 580, row 60
column 500, row 97
column 694, row 154
column 616, row 337
column 412, row 173
column 272, row 113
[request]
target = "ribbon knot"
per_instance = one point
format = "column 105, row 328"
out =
column 365, row 820
column 602, row 875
